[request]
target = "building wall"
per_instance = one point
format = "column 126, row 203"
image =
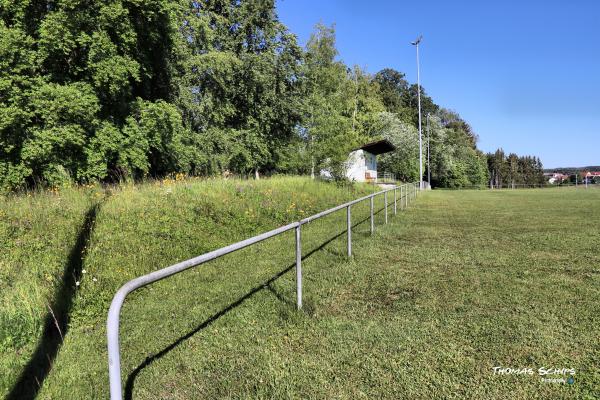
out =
column 359, row 164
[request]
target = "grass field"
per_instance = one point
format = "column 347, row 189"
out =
column 462, row 282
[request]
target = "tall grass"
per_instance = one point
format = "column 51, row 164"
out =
column 37, row 232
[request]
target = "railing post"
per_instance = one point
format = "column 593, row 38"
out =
column 114, row 356
column 386, row 205
column 402, row 197
column 349, row 223
column 372, row 221
column 298, row 268
column 395, row 202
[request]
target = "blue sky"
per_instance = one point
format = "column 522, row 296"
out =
column 525, row 74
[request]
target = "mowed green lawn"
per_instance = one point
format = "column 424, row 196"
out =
column 462, row 282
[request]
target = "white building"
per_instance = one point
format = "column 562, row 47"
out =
column 362, row 162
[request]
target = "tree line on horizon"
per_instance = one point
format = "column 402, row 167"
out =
column 512, row 170
column 572, row 170
column 104, row 91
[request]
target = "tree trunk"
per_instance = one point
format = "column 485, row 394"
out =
column 256, row 175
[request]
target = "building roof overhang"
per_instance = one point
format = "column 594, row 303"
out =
column 378, row 147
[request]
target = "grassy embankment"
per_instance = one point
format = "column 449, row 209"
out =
column 52, row 240
column 463, row 282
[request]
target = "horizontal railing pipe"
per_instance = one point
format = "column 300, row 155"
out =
column 112, row 325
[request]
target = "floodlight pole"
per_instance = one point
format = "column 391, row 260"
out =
column 416, row 44
column 428, row 158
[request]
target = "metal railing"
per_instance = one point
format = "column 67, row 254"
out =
column 408, row 192
column 387, row 177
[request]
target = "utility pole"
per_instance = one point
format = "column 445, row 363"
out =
column 416, row 44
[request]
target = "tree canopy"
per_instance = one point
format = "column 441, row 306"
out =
column 102, row 91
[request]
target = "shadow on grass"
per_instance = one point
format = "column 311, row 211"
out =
column 266, row 285
column 56, row 322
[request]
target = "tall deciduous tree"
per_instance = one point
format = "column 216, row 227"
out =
column 327, row 128
column 404, row 161
column 82, row 70
column 239, row 90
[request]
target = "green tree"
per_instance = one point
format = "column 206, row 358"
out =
column 327, row 127
column 18, row 70
column 240, row 87
column 77, row 70
column 404, row 161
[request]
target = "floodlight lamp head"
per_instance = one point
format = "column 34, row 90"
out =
column 416, row 42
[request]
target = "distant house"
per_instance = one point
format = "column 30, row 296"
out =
column 362, row 162
column 590, row 175
column 556, row 177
